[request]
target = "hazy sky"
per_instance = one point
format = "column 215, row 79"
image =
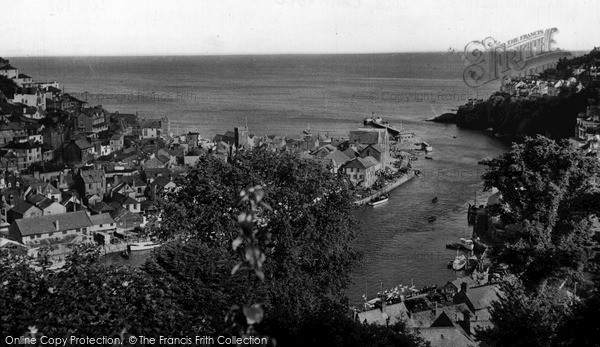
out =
column 148, row 27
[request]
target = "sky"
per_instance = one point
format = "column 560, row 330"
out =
column 212, row 27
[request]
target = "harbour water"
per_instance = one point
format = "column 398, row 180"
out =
column 282, row 95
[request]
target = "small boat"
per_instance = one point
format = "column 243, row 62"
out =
column 467, row 244
column 426, row 147
column 142, row 246
column 459, row 262
column 434, row 200
column 417, row 173
column 125, row 254
column 431, row 219
column 428, row 157
column 379, row 200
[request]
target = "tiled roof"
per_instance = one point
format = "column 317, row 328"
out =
column 362, row 163
column 338, row 157
column 103, row 218
column 92, row 176
column 160, row 181
column 482, row 297
column 23, row 207
column 45, row 224
column 152, row 123
column 83, row 144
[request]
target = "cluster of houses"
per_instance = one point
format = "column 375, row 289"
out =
column 71, row 172
column 587, row 131
column 448, row 317
column 532, row 87
column 365, row 152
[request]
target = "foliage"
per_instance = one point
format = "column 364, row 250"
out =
column 8, row 87
column 523, row 318
column 84, row 298
column 548, row 190
column 287, row 236
column 550, row 205
column 553, row 116
column 309, row 228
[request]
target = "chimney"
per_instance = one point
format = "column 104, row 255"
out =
column 463, row 287
column 57, row 224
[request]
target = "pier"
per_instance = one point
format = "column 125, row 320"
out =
column 389, row 187
column 391, row 130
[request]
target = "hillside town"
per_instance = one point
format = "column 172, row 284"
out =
column 75, row 172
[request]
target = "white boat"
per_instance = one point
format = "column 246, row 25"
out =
column 467, row 244
column 142, row 246
column 459, row 262
column 381, row 200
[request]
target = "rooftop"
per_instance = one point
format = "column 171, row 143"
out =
column 45, row 224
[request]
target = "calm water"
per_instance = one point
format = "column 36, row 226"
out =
column 283, row 95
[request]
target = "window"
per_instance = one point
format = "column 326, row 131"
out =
column 50, row 234
column 90, row 186
column 100, row 225
column 65, row 232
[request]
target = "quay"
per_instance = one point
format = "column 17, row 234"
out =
column 389, row 187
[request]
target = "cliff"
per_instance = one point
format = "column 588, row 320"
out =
column 552, row 116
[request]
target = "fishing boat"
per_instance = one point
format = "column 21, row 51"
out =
column 431, row 219
column 434, row 200
column 142, row 246
column 459, row 262
column 382, row 199
column 467, row 244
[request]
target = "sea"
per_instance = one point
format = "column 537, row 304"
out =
column 331, row 95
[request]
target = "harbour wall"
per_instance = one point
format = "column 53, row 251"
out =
column 389, row 187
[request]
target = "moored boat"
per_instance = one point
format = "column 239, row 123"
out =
column 142, row 246
column 467, row 244
column 434, row 200
column 428, row 157
column 459, row 262
column 431, row 219
column 382, row 199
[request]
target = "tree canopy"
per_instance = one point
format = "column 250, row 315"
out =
column 550, row 205
column 549, row 190
column 273, row 260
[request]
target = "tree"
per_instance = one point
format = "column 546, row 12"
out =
column 84, row 298
column 309, row 256
column 547, row 188
column 8, row 87
column 524, row 318
column 289, row 286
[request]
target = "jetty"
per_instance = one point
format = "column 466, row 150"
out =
column 387, row 188
column 381, row 125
